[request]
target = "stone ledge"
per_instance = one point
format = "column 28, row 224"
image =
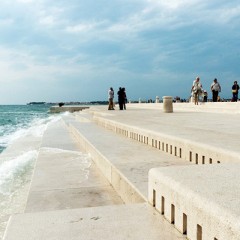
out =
column 57, row 109
column 196, row 152
column 131, row 222
column 121, row 184
column 201, row 201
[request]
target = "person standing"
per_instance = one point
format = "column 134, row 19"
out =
column 110, row 98
column 215, row 88
column 125, row 98
column 205, row 96
column 235, row 89
column 196, row 89
column 120, row 98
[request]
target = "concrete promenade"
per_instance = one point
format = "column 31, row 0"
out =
column 111, row 195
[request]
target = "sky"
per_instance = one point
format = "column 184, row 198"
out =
column 75, row 50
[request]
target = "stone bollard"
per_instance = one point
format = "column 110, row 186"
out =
column 167, row 104
column 157, row 99
column 139, row 101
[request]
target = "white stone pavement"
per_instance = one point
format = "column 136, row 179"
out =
column 124, row 146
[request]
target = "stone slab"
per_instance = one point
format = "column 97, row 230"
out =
column 138, row 221
column 57, row 169
column 208, row 195
column 58, row 137
column 66, row 178
column 81, row 197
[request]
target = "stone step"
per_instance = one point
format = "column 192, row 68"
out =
column 197, row 137
column 131, row 222
column 66, row 178
column 124, row 162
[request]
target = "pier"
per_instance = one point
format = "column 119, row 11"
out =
column 149, row 174
column 67, row 108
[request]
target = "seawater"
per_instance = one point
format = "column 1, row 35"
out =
column 16, row 119
column 21, row 131
column 16, row 161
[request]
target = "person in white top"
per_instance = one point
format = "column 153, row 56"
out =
column 196, row 89
column 215, row 88
column 110, row 98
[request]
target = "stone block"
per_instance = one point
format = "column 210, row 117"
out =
column 201, row 201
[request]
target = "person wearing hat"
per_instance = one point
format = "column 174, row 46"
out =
column 215, row 88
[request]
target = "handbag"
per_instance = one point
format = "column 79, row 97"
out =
column 234, row 91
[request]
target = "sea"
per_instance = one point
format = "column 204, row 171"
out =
column 21, row 131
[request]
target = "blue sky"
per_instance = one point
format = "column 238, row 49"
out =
column 74, row 50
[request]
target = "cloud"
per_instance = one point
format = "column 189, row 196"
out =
column 6, row 22
column 47, row 20
column 83, row 27
column 228, row 15
column 25, row 1
column 60, row 44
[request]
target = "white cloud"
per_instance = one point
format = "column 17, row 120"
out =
column 179, row 13
column 227, row 15
column 172, row 4
column 121, row 27
column 25, row 1
column 49, row 16
column 6, row 22
column 60, row 41
column 80, row 28
column 47, row 20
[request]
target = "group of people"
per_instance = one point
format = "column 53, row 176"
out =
column 122, row 98
column 197, row 90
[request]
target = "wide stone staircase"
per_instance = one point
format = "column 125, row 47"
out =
column 192, row 189
column 109, row 203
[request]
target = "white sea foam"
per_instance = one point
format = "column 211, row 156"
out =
column 16, row 167
column 59, row 150
column 12, row 169
column 36, row 129
column 15, row 174
column 2, row 129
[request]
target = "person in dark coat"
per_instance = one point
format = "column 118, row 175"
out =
column 120, row 98
column 125, row 98
column 235, row 89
